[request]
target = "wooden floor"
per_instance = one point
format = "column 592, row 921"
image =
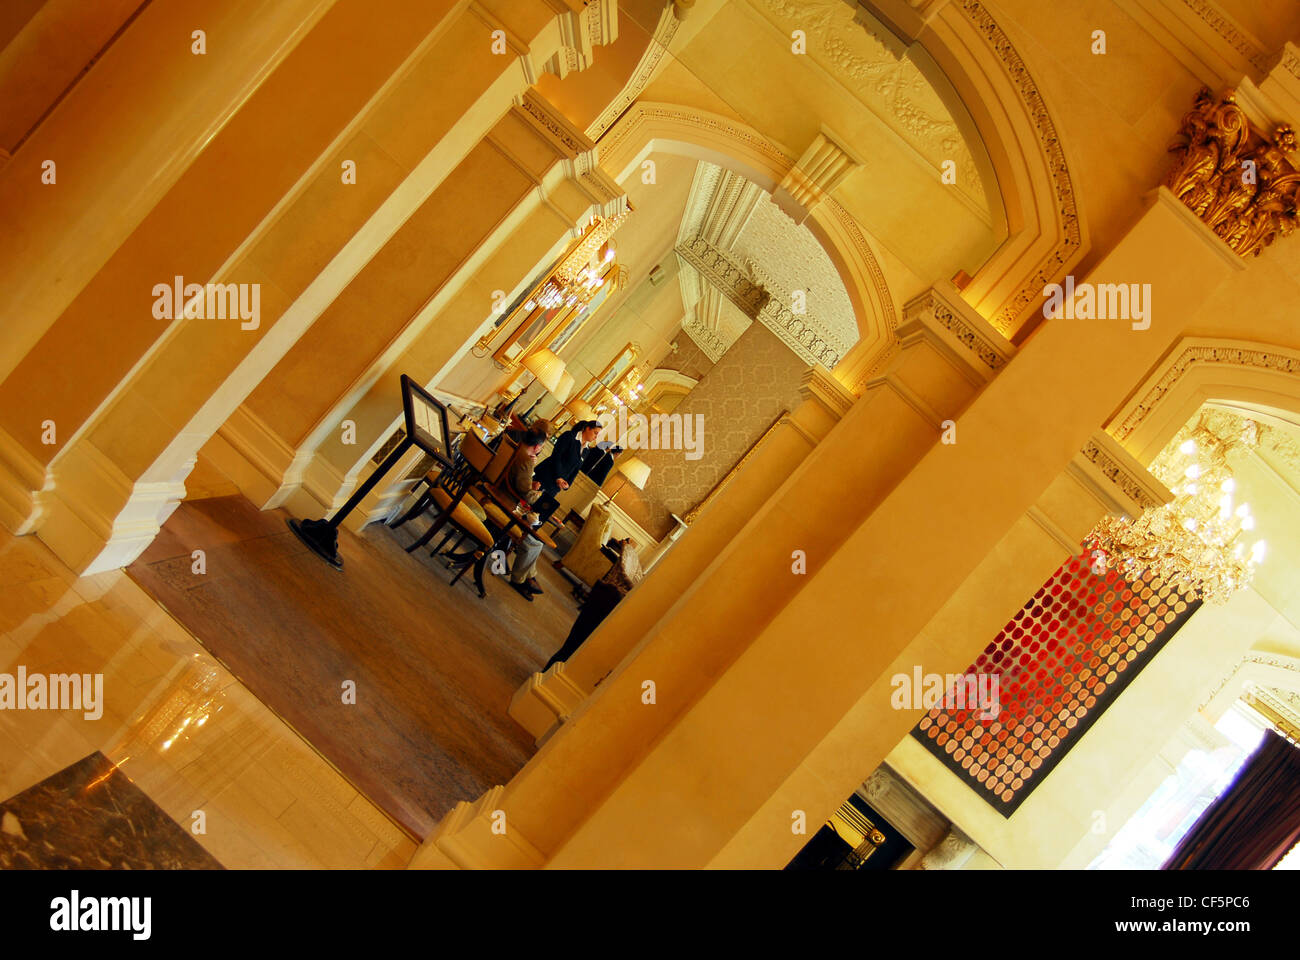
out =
column 434, row 667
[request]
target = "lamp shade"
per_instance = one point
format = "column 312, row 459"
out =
column 546, row 367
column 565, row 388
column 636, row 470
column 580, row 409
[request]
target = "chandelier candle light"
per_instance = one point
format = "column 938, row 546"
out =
column 1196, row 541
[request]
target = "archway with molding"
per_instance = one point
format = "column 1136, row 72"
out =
column 965, row 54
column 1200, row 370
column 650, row 127
column 971, row 62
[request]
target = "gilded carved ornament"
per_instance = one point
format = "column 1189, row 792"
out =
column 1238, row 181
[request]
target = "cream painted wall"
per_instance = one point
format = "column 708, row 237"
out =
column 1053, row 827
column 1117, row 764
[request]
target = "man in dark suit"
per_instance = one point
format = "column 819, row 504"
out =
column 599, row 460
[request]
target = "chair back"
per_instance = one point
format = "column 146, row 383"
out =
column 476, row 453
column 496, row 467
column 472, row 457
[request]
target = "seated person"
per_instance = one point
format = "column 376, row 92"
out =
column 520, row 483
column 604, row 597
column 517, row 429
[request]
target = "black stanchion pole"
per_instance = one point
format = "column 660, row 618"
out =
column 322, row 536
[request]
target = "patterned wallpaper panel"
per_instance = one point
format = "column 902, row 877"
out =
column 689, row 360
column 738, row 398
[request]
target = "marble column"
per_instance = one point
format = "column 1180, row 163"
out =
column 130, row 431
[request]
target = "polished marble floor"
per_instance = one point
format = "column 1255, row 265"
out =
column 433, row 667
column 90, row 816
column 175, row 722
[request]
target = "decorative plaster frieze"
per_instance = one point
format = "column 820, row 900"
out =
column 1285, row 704
column 753, row 300
column 665, row 30
column 1204, row 354
column 1214, row 18
column 894, row 90
column 799, row 334
column 1052, row 265
column 717, row 268
column 711, row 343
column 1120, row 475
column 1275, row 660
column 552, row 123
column 952, row 314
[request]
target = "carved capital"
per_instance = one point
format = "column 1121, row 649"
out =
column 1234, row 174
column 820, row 386
column 941, row 316
column 1123, row 485
column 824, row 166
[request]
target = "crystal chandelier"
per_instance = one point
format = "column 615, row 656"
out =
column 1196, row 540
column 587, row 268
column 558, row 292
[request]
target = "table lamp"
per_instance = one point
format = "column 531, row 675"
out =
column 579, row 410
column 546, row 367
column 635, row 471
column 550, row 372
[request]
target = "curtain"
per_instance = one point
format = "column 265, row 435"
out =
column 1255, row 821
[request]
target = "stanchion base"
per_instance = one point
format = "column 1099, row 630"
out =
column 321, row 538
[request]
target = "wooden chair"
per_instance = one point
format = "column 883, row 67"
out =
column 450, row 491
column 498, row 502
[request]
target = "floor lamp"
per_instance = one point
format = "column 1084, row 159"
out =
column 560, row 393
column 546, row 369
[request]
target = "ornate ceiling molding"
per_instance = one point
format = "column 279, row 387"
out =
column 1281, row 707
column 710, row 342
column 756, row 158
column 893, row 89
column 952, row 314
column 719, row 206
column 754, row 301
column 665, row 30
column 1131, row 484
column 1228, row 31
column 1274, row 660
